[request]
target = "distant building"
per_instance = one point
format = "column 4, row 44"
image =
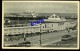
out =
column 53, row 23
column 19, row 25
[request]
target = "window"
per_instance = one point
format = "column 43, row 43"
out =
column 43, row 26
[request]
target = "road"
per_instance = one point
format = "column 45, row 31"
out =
column 68, row 44
column 45, row 38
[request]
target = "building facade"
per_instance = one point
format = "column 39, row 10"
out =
column 22, row 25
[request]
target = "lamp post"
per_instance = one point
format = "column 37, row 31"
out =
column 24, row 36
column 40, row 35
column 42, row 20
column 68, row 27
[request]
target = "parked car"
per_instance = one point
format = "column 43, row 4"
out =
column 66, row 37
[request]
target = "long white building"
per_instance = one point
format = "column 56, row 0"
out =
column 53, row 23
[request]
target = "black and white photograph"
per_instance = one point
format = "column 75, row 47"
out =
column 40, row 25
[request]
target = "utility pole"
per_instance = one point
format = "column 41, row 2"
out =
column 68, row 27
column 40, row 39
column 24, row 36
column 40, row 35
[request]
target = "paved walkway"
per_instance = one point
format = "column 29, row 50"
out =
column 46, row 38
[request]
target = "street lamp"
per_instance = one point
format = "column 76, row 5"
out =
column 24, row 36
column 68, row 27
column 40, row 35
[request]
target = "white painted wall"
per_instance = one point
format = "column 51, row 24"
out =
column 20, row 30
column 34, row 29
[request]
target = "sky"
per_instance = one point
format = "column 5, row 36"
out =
column 40, row 7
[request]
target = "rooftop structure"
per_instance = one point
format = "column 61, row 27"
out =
column 54, row 18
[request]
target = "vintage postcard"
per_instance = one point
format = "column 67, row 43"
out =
column 40, row 25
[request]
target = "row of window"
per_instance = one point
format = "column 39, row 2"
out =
column 52, row 25
column 44, row 26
